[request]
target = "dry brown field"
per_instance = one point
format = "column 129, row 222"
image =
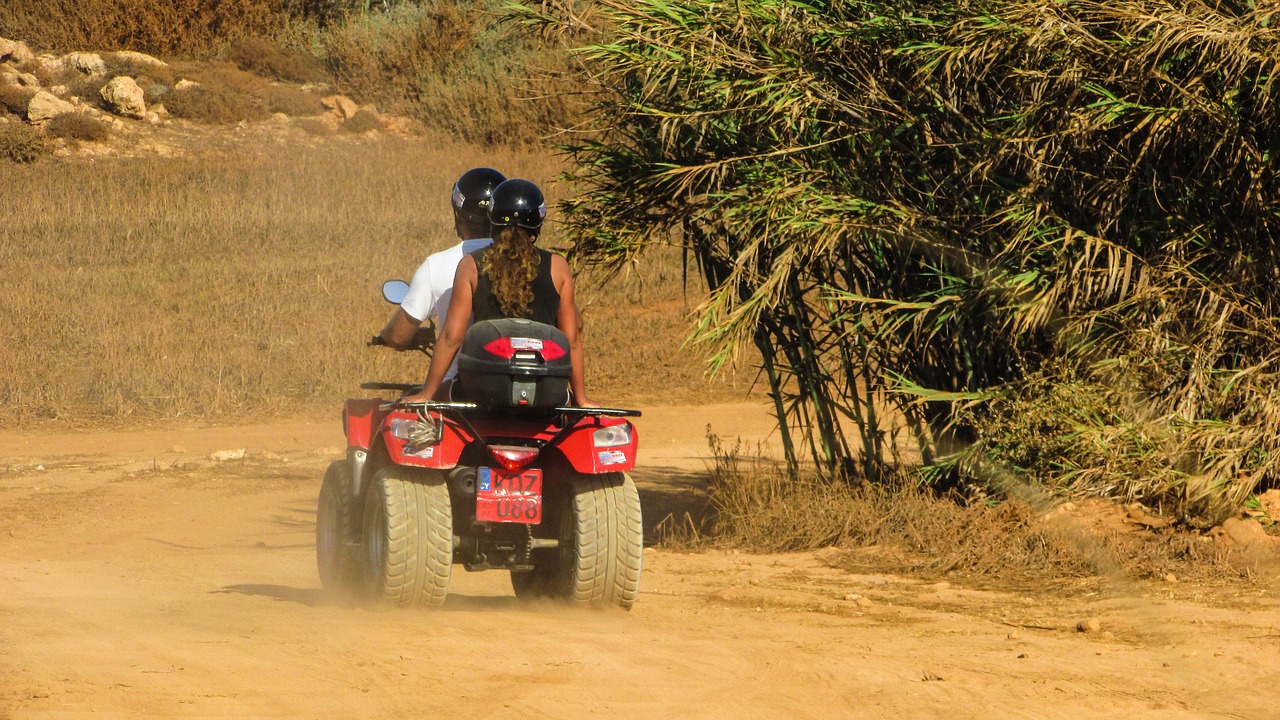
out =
column 242, row 281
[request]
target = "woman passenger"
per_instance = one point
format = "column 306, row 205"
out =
column 510, row 279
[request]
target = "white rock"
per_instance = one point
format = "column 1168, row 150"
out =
column 225, row 455
column 15, row 51
column 87, row 63
column 45, row 106
column 185, row 84
column 140, row 58
column 124, row 97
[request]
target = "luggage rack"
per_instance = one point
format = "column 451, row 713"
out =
column 459, row 407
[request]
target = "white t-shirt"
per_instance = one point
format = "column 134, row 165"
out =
column 432, row 287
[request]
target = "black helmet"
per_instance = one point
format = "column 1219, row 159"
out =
column 472, row 192
column 517, row 202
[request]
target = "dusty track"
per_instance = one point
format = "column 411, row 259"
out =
column 140, row 578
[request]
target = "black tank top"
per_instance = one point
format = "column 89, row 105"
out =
column 546, row 299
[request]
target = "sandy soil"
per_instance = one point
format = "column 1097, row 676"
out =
column 138, row 577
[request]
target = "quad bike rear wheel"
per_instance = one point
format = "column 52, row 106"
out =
column 601, row 546
column 408, row 537
column 337, row 554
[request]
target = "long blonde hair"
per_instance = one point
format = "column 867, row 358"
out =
column 511, row 264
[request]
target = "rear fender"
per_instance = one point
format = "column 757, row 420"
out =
column 579, row 448
column 360, row 419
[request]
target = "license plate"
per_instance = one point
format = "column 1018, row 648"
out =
column 509, row 497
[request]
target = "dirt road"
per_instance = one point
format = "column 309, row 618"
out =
column 138, row 578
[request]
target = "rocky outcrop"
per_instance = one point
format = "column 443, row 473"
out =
column 340, row 105
column 15, row 52
column 87, row 63
column 124, row 97
column 46, row 106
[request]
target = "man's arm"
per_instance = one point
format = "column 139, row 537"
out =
column 400, row 329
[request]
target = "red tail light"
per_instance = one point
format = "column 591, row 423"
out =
column 513, row 457
column 507, row 348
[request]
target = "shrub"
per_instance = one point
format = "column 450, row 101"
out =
column 314, row 126
column 268, row 59
column 196, row 28
column 15, row 98
column 118, row 64
column 292, row 101
column 450, row 67
column 78, row 126
column 21, row 143
column 363, row 121
column 214, row 105
column 225, row 94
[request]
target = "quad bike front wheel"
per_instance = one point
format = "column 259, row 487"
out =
column 601, row 537
column 337, row 555
column 407, row 537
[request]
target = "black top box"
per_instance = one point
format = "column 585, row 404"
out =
column 514, row 362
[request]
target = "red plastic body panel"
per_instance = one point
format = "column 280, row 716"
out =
column 442, row 456
column 364, row 421
column 360, row 419
column 579, row 447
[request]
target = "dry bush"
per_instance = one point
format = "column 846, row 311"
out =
column 14, row 97
column 363, row 121
column 314, row 126
column 293, row 101
column 78, row 126
column 450, row 67
column 225, row 94
column 754, row 503
column 268, row 59
column 214, row 105
column 21, row 143
column 123, row 65
column 188, row 264
column 193, row 28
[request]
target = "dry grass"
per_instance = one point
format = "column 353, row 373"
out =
column 246, row 285
column 900, row 526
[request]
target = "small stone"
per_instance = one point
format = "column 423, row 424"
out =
column 1023, row 656
column 863, row 602
column 177, row 449
column 39, row 468
column 1013, row 635
column 185, row 84
column 1100, row 651
column 1088, row 625
column 225, row 455
column 852, row 597
column 1170, row 578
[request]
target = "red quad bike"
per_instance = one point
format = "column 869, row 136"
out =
column 513, row 479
